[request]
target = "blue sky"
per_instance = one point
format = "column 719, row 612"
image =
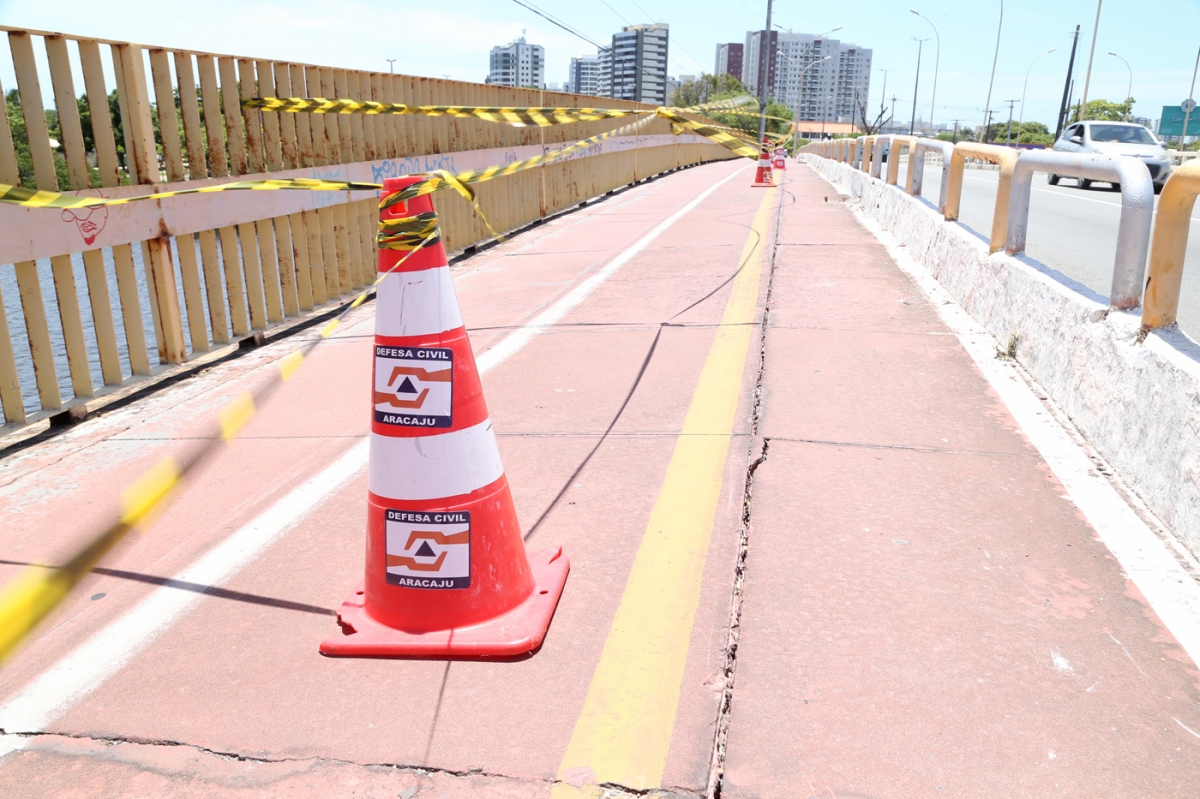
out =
column 1159, row 40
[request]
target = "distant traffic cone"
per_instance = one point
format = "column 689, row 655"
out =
column 762, row 175
column 447, row 572
column 780, row 161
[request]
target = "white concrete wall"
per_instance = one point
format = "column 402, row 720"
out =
column 1136, row 401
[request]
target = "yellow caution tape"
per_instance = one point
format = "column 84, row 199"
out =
column 36, row 592
column 531, row 116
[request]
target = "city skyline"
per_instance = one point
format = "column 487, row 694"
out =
column 306, row 31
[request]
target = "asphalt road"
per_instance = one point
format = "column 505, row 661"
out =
column 1071, row 230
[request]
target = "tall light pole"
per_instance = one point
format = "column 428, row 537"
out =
column 1022, row 119
column 764, row 44
column 912, row 122
column 937, row 60
column 987, row 107
column 882, row 97
column 391, row 64
column 1087, row 80
column 800, row 87
column 1129, row 90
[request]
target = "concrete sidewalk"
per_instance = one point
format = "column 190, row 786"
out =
column 917, row 609
column 925, row 612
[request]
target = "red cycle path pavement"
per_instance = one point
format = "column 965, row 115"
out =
column 925, row 613
column 239, row 673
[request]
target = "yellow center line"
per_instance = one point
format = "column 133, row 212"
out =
column 624, row 731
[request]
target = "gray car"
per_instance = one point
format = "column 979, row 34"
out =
column 1116, row 138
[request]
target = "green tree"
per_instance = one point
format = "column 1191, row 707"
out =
column 704, row 89
column 1105, row 111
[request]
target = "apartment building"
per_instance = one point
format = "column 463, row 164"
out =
column 729, row 59
column 584, row 75
column 817, row 77
column 635, row 66
column 518, row 64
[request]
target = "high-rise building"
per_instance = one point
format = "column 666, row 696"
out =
column 518, row 64
column 836, row 75
column 729, row 59
column 635, row 67
column 584, row 75
column 752, row 60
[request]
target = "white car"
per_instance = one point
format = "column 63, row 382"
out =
column 1116, row 138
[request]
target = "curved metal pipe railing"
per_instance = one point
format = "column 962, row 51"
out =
column 1007, row 160
column 1169, row 246
column 916, row 168
column 1137, row 210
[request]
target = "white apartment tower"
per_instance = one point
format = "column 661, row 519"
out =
column 518, row 64
column 834, row 74
column 635, row 67
column 584, row 76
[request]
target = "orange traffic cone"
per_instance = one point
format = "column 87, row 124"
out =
column 762, row 175
column 447, row 572
column 780, row 162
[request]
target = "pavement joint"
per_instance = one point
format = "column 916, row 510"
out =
column 721, row 736
column 163, row 742
column 905, row 447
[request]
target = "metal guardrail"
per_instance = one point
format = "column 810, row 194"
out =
column 1007, row 159
column 1169, row 246
column 1138, row 231
column 166, row 282
column 893, row 173
column 1137, row 210
column 916, row 168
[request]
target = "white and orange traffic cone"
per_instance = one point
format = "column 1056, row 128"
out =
column 780, row 162
column 447, row 571
column 762, row 175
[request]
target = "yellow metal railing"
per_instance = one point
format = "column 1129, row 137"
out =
column 166, row 282
column 1168, row 246
column 1006, row 158
column 893, row 173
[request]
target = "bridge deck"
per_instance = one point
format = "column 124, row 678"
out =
column 924, row 613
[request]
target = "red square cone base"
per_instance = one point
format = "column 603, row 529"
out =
column 517, row 632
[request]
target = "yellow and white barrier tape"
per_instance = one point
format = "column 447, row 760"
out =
column 518, row 116
column 33, row 594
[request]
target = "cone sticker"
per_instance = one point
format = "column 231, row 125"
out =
column 414, row 386
column 429, row 550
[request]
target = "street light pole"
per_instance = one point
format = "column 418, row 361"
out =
column 391, row 64
column 987, row 107
column 1021, row 122
column 1088, row 79
column 800, row 86
column 937, row 60
column 912, row 122
column 1129, row 90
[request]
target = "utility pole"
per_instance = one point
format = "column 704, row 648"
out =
column 987, row 106
column 954, row 135
column 912, row 122
column 1008, row 138
column 1065, row 108
column 987, row 127
column 1088, row 79
column 764, row 44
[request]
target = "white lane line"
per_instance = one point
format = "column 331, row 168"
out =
column 84, row 669
column 514, row 341
column 1171, row 591
column 79, row 673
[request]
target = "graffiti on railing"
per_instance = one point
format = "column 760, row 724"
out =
column 399, row 167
